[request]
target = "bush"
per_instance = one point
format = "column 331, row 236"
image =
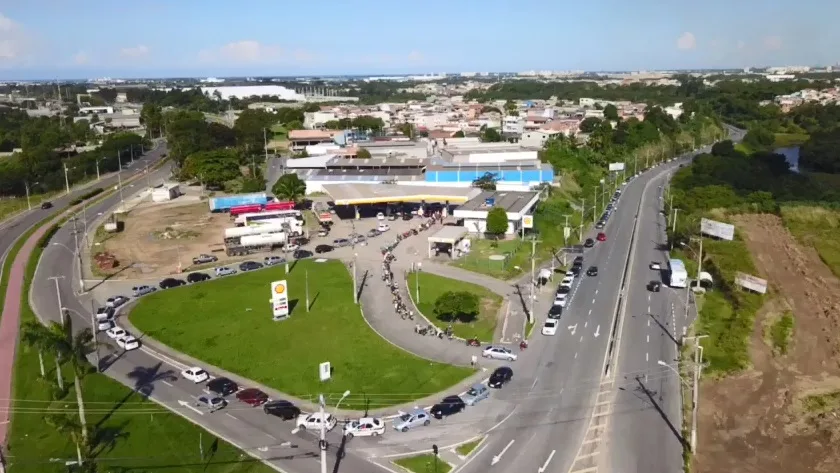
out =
column 457, row 305
column 87, row 195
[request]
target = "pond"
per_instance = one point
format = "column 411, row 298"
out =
column 791, row 154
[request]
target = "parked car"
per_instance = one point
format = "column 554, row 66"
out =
column 567, row 281
column 501, row 376
column 128, row 343
column 315, row 420
column 204, row 259
column 373, row 233
column 225, row 271
column 116, row 301
column 655, row 266
column 197, row 277
column 654, row 286
column 252, row 396
column 602, row 236
column 578, row 260
column 222, row 386
column 143, row 290
column 323, row 249
column 364, row 427
column 169, row 283
column 323, row 232
column 383, row 227
column 115, row 332
column 46, row 205
column 291, row 247
column 105, row 313
column 195, row 374
column 601, row 224
column 589, row 243
column 550, row 327
column 380, row 216
column 477, row 393
column 210, row 403
column 272, row 260
column 575, row 270
column 105, row 325
column 409, row 420
column 448, row 406
column 560, row 299
column 282, row 409
column 301, row 254
column 592, row 271
column 555, row 312
column 498, row 353
column 339, row 242
column 249, row 266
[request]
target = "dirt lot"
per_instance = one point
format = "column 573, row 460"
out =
column 155, row 235
column 758, row 421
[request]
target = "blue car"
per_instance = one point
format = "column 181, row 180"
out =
column 409, row 420
column 477, row 393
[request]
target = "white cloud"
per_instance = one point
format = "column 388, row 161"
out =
column 741, row 44
column 415, row 57
column 135, row 52
column 15, row 43
column 81, row 58
column 246, row 52
column 773, row 43
column 686, row 41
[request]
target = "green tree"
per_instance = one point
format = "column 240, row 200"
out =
column 723, row 148
column 289, row 187
column 490, row 135
column 252, row 184
column 589, row 124
column 611, row 112
column 249, row 129
column 459, row 134
column 461, row 306
column 151, row 117
column 497, row 221
column 363, row 153
column 213, row 168
column 294, row 125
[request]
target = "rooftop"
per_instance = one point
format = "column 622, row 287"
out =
column 448, row 234
column 512, row 202
column 312, row 134
column 357, row 193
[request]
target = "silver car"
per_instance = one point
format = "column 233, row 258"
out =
column 225, row 271
column 477, row 393
column 408, row 420
column 143, row 290
column 211, row 403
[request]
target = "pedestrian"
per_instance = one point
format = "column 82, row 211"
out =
column 473, row 360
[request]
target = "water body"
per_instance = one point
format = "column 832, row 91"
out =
column 791, row 154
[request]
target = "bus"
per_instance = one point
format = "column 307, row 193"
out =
column 274, row 216
column 678, row 276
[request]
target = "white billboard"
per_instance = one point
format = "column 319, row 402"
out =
column 717, row 229
column 751, row 282
column 616, row 166
column 324, row 371
column 280, row 299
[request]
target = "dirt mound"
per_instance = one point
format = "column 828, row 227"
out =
column 756, row 422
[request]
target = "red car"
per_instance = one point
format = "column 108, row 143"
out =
column 602, row 237
column 252, row 396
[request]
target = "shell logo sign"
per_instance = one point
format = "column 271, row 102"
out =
column 280, row 299
column 527, row 221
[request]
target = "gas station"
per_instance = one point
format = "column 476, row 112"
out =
column 355, row 195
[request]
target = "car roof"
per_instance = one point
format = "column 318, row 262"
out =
column 478, row 386
column 280, row 402
column 416, row 411
column 503, row 369
column 452, row 398
column 551, row 322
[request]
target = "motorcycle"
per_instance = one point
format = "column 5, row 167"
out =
column 473, row 342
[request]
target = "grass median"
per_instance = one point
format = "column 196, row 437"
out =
column 433, row 286
column 427, row 463
column 228, row 323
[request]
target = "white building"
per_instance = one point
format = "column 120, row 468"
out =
column 513, row 124
column 245, row 91
column 477, row 153
column 166, row 192
column 538, row 138
column 312, row 120
column 519, row 207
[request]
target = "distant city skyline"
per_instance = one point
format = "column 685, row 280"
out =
column 49, row 39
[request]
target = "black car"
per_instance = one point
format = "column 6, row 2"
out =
column 169, row 283
column 222, row 386
column 448, row 406
column 282, row 409
column 407, row 216
column 654, row 286
column 323, row 249
column 500, row 377
column 301, row 254
column 589, row 243
column 578, row 260
column 555, row 312
column 250, row 266
column 197, row 277
column 592, row 271
column 46, row 205
column 575, row 270
column 564, row 289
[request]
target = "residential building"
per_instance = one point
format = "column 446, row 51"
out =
column 538, row 138
column 300, row 139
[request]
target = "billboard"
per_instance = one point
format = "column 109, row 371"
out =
column 324, row 371
column 751, row 282
column 616, row 166
column 527, row 221
column 280, row 299
column 717, row 229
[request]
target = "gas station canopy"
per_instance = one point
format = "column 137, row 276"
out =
column 358, row 194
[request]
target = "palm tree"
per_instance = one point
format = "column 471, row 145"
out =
column 289, row 187
column 41, row 338
column 68, row 426
column 67, row 346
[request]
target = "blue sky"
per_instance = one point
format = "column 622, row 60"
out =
column 48, row 39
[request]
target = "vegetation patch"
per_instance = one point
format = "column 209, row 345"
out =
column 427, row 463
column 228, row 323
column 466, row 448
column 434, row 304
column 816, row 227
column 516, row 255
column 821, row 403
column 781, row 333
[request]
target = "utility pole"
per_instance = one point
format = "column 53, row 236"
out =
column 582, row 217
column 131, row 150
column 533, row 278
column 265, row 145
column 119, row 186
column 78, row 253
column 28, row 203
column 58, row 296
column 565, row 229
column 674, row 228
column 695, row 394
column 66, row 179
column 595, row 207
column 322, row 443
column 95, row 340
column 307, row 290
column 417, row 283
column 355, row 289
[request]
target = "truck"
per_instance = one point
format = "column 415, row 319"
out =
column 677, row 275
column 254, row 243
column 279, row 205
column 237, row 232
column 225, row 203
column 245, row 209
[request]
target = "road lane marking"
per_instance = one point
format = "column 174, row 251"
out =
column 648, row 322
column 576, row 355
column 534, row 383
column 503, row 420
column 547, row 461
column 497, row 458
column 597, row 331
column 167, row 383
column 590, row 311
column 581, row 338
column 596, row 292
column 648, row 297
column 648, row 338
column 230, row 415
column 586, row 324
column 190, row 407
column 593, row 300
column 647, row 357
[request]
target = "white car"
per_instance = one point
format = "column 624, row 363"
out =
column 560, row 299
column 291, row 247
column 116, row 301
column 380, row 216
column 570, row 274
column 567, row 281
column 498, row 353
column 104, row 325
column 364, row 427
column 128, row 343
column 654, row 265
column 549, row 327
column 195, row 374
column 313, row 421
column 115, row 333
column 383, row 227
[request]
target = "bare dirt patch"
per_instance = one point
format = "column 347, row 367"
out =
column 757, row 421
column 156, row 236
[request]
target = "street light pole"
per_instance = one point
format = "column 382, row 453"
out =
column 674, row 228
column 595, row 207
column 95, row 339
column 66, row 179
column 355, row 289
column 322, row 443
column 28, row 203
column 307, row 289
column 417, row 283
column 695, row 395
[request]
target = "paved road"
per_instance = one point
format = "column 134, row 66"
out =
column 10, row 231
